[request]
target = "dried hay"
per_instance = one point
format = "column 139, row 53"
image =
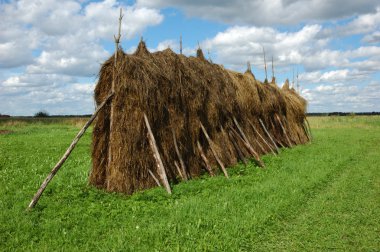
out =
column 178, row 93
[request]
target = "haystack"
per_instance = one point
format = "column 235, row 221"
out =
column 242, row 117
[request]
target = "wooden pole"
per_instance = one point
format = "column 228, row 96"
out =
column 221, row 165
column 178, row 169
column 265, row 65
column 180, row 44
column 67, row 154
column 273, row 127
column 160, row 166
column 293, row 77
column 154, row 178
column 283, row 130
column 298, row 86
column 249, row 146
column 112, row 112
column 272, row 69
column 262, row 138
column 308, row 126
column 270, row 137
column 261, row 146
column 306, row 131
column 179, row 156
column 238, row 150
column 205, row 160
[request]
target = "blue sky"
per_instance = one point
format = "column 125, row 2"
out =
column 51, row 51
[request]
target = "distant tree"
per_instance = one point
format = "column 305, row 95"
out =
column 41, row 113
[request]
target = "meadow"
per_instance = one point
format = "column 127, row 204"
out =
column 320, row 196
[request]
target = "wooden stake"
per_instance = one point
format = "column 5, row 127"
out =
column 268, row 135
column 205, row 160
column 248, row 144
column 180, row 44
column 179, row 156
column 238, row 150
column 293, row 77
column 265, row 65
column 112, row 112
column 298, row 86
column 283, row 130
column 178, row 169
column 288, row 125
column 305, row 130
column 160, row 166
column 249, row 148
column 262, row 138
column 67, row 154
column 214, row 152
column 309, row 128
column 261, row 146
column 154, row 178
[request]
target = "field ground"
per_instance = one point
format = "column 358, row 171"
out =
column 316, row 197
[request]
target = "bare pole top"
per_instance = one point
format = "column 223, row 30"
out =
column 265, row 65
column 180, row 44
column 293, row 78
column 117, row 38
column 298, row 85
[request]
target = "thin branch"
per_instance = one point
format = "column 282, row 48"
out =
column 67, row 154
column 268, row 135
column 210, row 142
column 179, row 156
column 154, row 178
column 160, row 166
column 205, row 160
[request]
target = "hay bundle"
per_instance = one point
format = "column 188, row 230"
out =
column 178, row 94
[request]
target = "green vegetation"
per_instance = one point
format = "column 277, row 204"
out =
column 320, row 196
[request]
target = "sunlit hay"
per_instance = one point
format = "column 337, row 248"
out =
column 177, row 93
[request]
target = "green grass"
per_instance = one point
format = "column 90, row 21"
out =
column 315, row 197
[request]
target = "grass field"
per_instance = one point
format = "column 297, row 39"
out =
column 316, row 197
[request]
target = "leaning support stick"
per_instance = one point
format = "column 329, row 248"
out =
column 160, row 166
column 221, row 165
column 270, row 137
column 248, row 147
column 67, row 154
column 185, row 177
column 154, row 178
column 283, row 130
column 248, row 144
column 237, row 148
column 205, row 160
column 308, row 126
column 262, row 138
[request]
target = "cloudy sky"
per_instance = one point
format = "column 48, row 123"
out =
column 51, row 51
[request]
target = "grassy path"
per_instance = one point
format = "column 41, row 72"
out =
column 316, row 197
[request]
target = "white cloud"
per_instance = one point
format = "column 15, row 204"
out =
column 238, row 44
column 54, row 43
column 65, row 31
column 36, row 80
column 340, row 97
column 362, row 24
column 57, row 94
column 275, row 12
column 372, row 38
